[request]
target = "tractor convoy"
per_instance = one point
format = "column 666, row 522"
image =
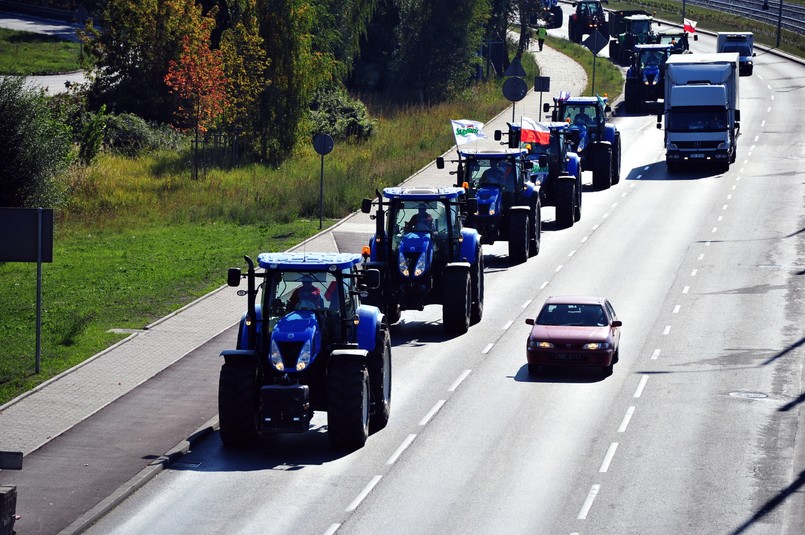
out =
column 315, row 335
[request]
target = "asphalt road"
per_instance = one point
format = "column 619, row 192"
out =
column 699, row 429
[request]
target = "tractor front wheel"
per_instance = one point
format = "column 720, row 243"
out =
column 602, row 171
column 518, row 237
column 237, row 403
column 565, row 201
column 348, row 404
column 456, row 302
column 380, row 381
column 477, row 281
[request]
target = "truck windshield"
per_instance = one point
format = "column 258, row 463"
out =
column 742, row 50
column 697, row 120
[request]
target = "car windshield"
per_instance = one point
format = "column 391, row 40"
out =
column 572, row 315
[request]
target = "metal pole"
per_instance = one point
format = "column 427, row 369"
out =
column 38, row 289
column 683, row 11
column 321, row 192
column 779, row 23
column 594, row 56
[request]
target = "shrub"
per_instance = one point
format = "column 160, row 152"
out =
column 334, row 112
column 130, row 135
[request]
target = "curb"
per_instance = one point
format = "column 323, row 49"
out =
column 138, row 481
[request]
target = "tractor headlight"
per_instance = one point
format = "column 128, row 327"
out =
column 276, row 357
column 304, row 357
column 403, row 264
column 597, row 345
column 419, row 269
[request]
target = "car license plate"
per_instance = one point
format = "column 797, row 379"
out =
column 697, row 155
column 569, row 356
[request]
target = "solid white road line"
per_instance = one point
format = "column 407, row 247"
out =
column 627, row 417
column 364, row 493
column 432, row 412
column 608, row 457
column 396, row 455
column 588, row 502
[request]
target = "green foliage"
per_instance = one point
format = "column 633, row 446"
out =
column 131, row 136
column 92, row 137
column 34, row 147
column 334, row 112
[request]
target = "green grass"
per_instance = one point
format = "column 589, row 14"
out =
column 608, row 77
column 26, row 54
column 718, row 21
column 139, row 238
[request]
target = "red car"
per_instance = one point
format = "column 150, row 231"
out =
column 574, row 331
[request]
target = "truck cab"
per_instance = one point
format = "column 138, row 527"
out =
column 743, row 44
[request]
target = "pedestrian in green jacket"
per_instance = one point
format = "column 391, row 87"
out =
column 541, row 34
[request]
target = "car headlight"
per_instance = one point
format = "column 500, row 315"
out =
column 304, row 357
column 597, row 345
column 276, row 357
column 539, row 344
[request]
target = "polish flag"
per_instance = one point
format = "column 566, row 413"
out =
column 689, row 26
column 534, row 132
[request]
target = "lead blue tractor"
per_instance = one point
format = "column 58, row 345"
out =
column 426, row 255
column 306, row 343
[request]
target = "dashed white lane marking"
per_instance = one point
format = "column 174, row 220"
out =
column 772, row 97
column 608, row 457
column 745, row 162
column 543, row 285
column 715, row 229
column 588, row 502
column 733, row 187
column 769, row 86
column 760, row 77
column 752, row 148
column 626, row 418
column 332, row 529
column 729, row 197
column 756, row 138
column 487, row 348
column 719, row 218
column 614, row 205
column 666, row 330
column 399, row 451
column 701, row 257
column 584, row 239
column 763, row 123
column 508, row 324
column 364, row 493
column 560, row 266
column 768, row 110
column 737, row 178
column 595, row 226
column 606, row 215
column 676, row 309
column 458, row 381
column 693, row 273
column 655, row 355
column 723, row 206
column 686, row 289
column 707, row 243
column 431, row 413
column 525, row 305
column 571, row 253
column 640, row 386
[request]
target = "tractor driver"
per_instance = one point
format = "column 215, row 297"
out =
column 421, row 220
column 581, row 119
column 306, row 296
column 496, row 174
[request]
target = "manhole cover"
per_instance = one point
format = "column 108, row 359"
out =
column 748, row 395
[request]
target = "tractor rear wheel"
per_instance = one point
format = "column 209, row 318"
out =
column 602, row 172
column 348, row 404
column 577, row 208
column 380, row 381
column 477, row 282
column 456, row 301
column 565, row 201
column 534, row 230
column 237, row 403
column 518, row 236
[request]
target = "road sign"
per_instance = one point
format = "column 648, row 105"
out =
column 23, row 230
column 323, row 143
column 542, row 83
column 515, row 69
column 596, row 42
column 515, row 89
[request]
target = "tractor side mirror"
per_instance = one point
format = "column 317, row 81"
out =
column 546, row 107
column 439, row 162
column 498, row 135
column 366, row 206
column 528, row 164
column 233, row 277
column 371, row 278
column 543, row 161
column 695, row 37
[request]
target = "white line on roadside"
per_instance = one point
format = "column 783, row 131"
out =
column 487, row 348
column 508, row 324
column 608, row 457
column 588, row 502
column 655, row 355
column 627, row 417
column 686, row 289
column 676, row 309
column 364, row 493
column 458, row 381
column 640, row 386
column 396, row 455
column 332, row 529
column 666, row 330
column 431, row 413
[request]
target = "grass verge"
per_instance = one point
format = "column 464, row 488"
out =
column 26, row 54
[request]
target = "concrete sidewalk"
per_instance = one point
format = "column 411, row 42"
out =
column 36, row 418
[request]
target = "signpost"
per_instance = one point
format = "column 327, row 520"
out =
column 542, row 84
column 323, row 144
column 515, row 88
column 595, row 42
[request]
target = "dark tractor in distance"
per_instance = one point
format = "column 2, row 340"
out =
column 645, row 78
column 589, row 17
column 508, row 203
column 426, row 255
column 628, row 29
column 307, row 344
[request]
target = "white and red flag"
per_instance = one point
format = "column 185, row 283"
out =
column 689, row 26
column 533, row 132
column 465, row 131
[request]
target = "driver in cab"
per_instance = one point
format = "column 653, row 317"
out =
column 495, row 175
column 421, row 221
column 306, row 296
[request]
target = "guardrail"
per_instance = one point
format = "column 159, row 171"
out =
column 793, row 16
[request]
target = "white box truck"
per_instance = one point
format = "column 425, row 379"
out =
column 743, row 44
column 701, row 110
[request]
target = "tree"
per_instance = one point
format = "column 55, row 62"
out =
column 34, row 147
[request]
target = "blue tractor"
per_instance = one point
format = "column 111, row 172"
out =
column 307, row 344
column 508, row 203
column 599, row 140
column 426, row 255
column 645, row 78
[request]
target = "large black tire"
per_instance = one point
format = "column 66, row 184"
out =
column 518, row 237
column 614, row 50
column 631, row 95
column 557, row 16
column 571, row 31
column 456, row 302
column 565, row 201
column 577, row 208
column 237, row 403
column 393, row 313
column 477, row 282
column 602, row 171
column 616, row 159
column 348, row 404
column 534, row 230
column 380, row 381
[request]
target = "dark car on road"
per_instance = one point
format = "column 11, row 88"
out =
column 574, row 331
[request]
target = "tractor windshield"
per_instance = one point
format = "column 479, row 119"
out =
column 289, row 291
column 652, row 57
column 580, row 114
column 489, row 172
column 640, row 27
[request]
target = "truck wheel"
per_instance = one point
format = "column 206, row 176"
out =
column 631, row 95
column 565, row 201
column 616, row 159
column 534, row 230
column 518, row 237
column 380, row 381
column 348, row 405
column 237, row 403
column 602, row 172
column 477, row 282
column 456, row 302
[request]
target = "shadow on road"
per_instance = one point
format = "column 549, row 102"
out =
column 772, row 504
column 559, row 375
